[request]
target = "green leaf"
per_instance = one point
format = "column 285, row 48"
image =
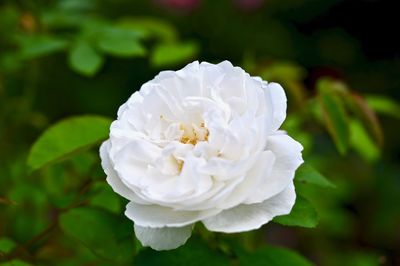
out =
column 334, row 113
column 308, row 174
column 10, row 17
column 367, row 116
column 83, row 162
column 273, row 256
column 105, row 197
column 384, row 105
column 6, row 245
column 66, row 138
column 107, row 235
column 10, row 61
column 124, row 48
column 40, row 45
column 193, row 253
column 57, row 19
column 357, row 258
column 84, row 59
column 283, row 71
column 15, row 262
column 303, row 214
column 153, row 26
column 168, row 54
column 362, row 143
column 76, row 5
column 121, row 42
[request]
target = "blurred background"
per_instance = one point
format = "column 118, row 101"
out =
column 60, row 58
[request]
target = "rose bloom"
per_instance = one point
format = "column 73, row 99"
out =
column 201, row 144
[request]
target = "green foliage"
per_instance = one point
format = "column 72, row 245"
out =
column 84, row 59
column 308, row 174
column 6, row 245
column 195, row 253
column 155, row 27
column 168, row 54
column 283, row 71
column 334, row 114
column 66, row 137
column 15, row 262
column 367, row 116
column 303, row 214
column 86, row 38
column 40, row 45
column 361, row 141
column 123, row 42
column 107, row 235
column 273, row 256
column 105, row 197
column 384, row 105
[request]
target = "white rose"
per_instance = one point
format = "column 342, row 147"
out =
column 201, row 144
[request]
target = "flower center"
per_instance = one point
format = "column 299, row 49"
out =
column 193, row 133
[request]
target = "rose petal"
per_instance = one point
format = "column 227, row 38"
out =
column 288, row 158
column 112, row 177
column 159, row 216
column 249, row 217
column 249, row 184
column 163, row 238
column 276, row 97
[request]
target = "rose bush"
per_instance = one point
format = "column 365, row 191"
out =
column 201, row 144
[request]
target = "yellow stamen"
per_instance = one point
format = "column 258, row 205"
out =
column 193, row 134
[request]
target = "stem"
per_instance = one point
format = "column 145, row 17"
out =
column 7, row 201
column 42, row 234
column 25, row 248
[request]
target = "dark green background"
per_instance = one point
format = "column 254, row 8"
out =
column 295, row 42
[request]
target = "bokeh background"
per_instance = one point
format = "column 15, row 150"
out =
column 63, row 58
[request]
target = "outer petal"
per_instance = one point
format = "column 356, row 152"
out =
column 286, row 149
column 249, row 217
column 112, row 177
column 163, row 238
column 156, row 216
column 288, row 158
column 276, row 97
column 250, row 182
